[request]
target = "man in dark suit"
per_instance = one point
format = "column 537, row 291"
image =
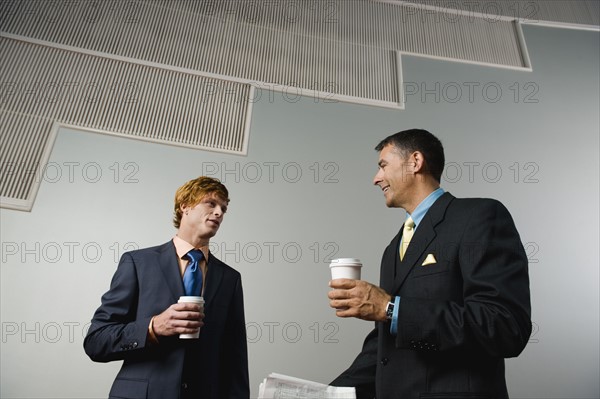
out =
column 453, row 299
column 139, row 320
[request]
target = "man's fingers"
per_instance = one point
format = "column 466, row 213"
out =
column 338, row 294
column 343, row 303
column 180, row 307
column 336, row 303
column 342, row 283
column 347, row 312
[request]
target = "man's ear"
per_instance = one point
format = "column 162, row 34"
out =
column 419, row 161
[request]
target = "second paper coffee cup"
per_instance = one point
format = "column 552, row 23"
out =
column 345, row 268
column 191, row 299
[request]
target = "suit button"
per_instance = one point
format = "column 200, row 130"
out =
column 135, row 344
column 184, row 385
column 384, row 361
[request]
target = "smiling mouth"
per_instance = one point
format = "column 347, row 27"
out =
column 385, row 189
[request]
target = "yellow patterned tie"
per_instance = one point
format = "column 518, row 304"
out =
column 407, row 233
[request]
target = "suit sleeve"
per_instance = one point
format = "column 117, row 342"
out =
column 114, row 333
column 234, row 377
column 493, row 313
column 361, row 374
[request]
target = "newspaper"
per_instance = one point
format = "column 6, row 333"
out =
column 278, row 386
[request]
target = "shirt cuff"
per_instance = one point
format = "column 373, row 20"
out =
column 152, row 338
column 394, row 323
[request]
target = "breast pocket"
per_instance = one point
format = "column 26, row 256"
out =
column 427, row 267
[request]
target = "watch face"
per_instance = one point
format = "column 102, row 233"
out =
column 389, row 312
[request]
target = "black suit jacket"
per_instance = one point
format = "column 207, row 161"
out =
column 147, row 282
column 459, row 317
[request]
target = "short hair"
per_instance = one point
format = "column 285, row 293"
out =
column 192, row 192
column 408, row 141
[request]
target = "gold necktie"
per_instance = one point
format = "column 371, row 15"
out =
column 407, row 233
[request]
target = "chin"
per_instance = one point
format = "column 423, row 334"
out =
column 212, row 233
column 391, row 204
column 209, row 233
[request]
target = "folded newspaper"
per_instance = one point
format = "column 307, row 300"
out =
column 278, row 386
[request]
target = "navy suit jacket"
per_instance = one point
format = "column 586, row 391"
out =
column 459, row 317
column 147, row 282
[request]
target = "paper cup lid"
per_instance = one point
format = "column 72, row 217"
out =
column 345, row 262
column 195, row 299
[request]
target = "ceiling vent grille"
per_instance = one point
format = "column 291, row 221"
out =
column 111, row 96
column 186, row 72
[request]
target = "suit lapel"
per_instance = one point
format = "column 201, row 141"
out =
column 424, row 235
column 391, row 263
column 214, row 275
column 170, row 269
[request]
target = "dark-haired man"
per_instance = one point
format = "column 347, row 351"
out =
column 140, row 320
column 453, row 299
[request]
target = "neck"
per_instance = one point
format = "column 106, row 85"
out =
column 420, row 193
column 194, row 239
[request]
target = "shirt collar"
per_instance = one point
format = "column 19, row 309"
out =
column 421, row 209
column 182, row 247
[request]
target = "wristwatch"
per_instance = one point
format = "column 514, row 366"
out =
column 389, row 310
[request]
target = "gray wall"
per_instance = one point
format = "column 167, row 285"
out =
column 304, row 194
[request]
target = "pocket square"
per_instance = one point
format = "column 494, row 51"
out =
column 429, row 260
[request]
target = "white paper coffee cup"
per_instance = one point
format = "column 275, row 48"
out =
column 345, row 268
column 191, row 299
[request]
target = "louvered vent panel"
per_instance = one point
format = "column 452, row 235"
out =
column 111, row 96
column 576, row 12
column 344, row 48
column 183, row 71
column 123, row 98
column 21, row 157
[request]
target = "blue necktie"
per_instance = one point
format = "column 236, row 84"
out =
column 192, row 278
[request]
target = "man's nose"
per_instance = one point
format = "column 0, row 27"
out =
column 377, row 179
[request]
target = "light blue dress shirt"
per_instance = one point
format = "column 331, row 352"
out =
column 417, row 216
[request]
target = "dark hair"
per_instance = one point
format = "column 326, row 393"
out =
column 408, row 141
